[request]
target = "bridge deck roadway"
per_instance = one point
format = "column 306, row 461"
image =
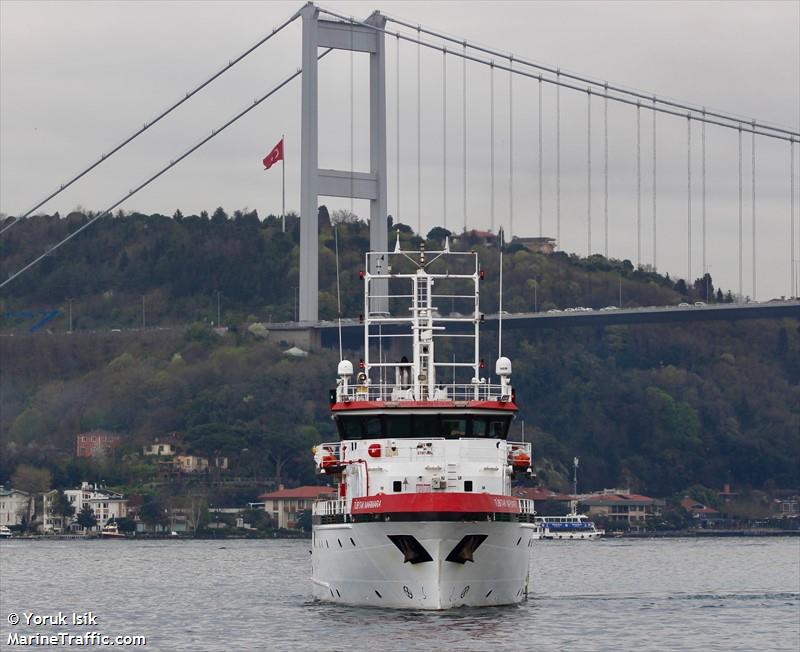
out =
column 352, row 330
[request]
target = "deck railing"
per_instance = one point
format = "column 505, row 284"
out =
column 526, row 506
column 446, row 392
column 336, row 507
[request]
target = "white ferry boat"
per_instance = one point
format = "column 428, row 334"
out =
column 111, row 531
column 425, row 518
column 571, row 526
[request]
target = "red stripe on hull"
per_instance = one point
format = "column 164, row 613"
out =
column 389, row 405
column 435, row 502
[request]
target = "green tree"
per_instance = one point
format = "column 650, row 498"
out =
column 60, row 506
column 153, row 513
column 86, row 518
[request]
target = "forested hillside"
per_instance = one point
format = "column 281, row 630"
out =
column 656, row 408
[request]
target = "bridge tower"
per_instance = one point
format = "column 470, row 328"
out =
column 315, row 182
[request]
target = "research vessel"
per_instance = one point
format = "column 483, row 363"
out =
column 424, row 517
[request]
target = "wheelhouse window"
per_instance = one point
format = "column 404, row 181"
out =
column 421, row 426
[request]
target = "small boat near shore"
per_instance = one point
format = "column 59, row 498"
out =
column 5, row 533
column 111, row 531
column 571, row 526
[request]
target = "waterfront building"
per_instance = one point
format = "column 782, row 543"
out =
column 51, row 522
column 16, row 507
column 286, row 505
column 106, row 505
column 620, row 505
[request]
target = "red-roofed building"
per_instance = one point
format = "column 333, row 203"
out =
column 286, row 505
column 96, row 443
column 541, row 494
column 697, row 509
column 621, row 505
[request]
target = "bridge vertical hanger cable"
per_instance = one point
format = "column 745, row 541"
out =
column 689, row 199
column 703, row 148
column 541, row 199
column 733, row 122
column 655, row 188
column 444, row 137
column 491, row 144
column 741, row 291
column 151, row 123
column 338, row 291
column 464, row 132
column 638, row 186
column 397, row 125
column 510, row 148
column 605, row 177
column 558, row 166
column 753, row 208
column 589, row 172
column 352, row 129
column 621, row 94
column 419, row 136
column 792, row 285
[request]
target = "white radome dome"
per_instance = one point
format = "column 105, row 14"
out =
column 503, row 366
column 345, row 368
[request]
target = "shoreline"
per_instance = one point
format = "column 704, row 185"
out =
column 664, row 534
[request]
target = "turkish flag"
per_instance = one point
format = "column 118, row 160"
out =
column 274, row 156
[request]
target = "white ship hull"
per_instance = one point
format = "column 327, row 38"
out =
column 357, row 564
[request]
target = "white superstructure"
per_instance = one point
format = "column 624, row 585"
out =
column 425, row 518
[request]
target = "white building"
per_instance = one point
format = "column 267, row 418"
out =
column 161, row 449
column 105, row 504
column 16, row 506
column 51, row 522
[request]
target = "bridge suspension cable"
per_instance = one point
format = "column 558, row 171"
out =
column 491, row 145
column 689, row 197
column 352, row 129
column 793, row 283
column 154, row 121
column 464, row 133
column 214, row 133
column 703, row 164
column 638, row 186
column 419, row 136
column 761, row 129
column 510, row 149
column 397, row 127
column 587, row 80
column 589, row 173
column 741, row 291
column 541, row 198
column 605, row 176
column 655, row 187
column 444, row 137
column 558, row 165
column 753, row 208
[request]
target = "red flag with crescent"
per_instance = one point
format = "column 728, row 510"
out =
column 274, row 156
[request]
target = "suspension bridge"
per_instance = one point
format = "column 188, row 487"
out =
column 508, row 127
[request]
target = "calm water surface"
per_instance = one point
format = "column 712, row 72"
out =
column 676, row 594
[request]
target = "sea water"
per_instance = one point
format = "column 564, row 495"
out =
column 612, row 594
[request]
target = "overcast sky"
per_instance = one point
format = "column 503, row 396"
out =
column 77, row 77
